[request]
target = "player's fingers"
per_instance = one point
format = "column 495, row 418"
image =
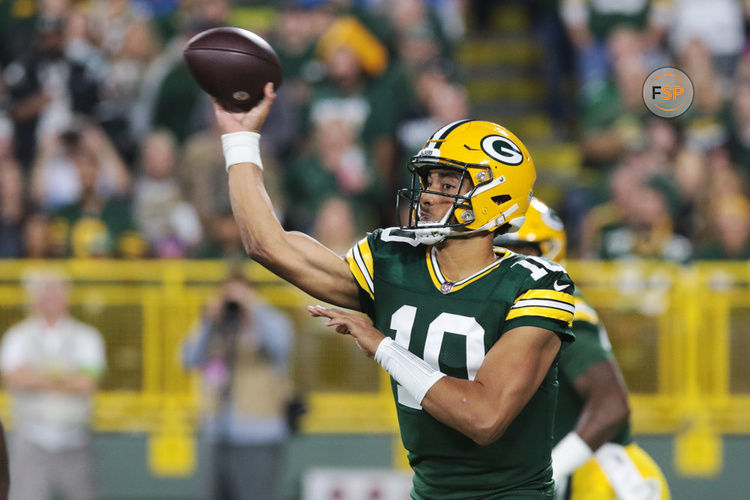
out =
column 318, row 311
column 336, row 312
column 334, row 322
column 329, row 312
column 340, row 322
column 313, row 310
column 268, row 91
column 268, row 97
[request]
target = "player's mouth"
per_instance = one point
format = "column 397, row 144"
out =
column 428, row 216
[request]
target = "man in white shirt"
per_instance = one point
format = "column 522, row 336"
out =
column 51, row 364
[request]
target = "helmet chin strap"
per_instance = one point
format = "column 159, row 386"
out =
column 434, row 235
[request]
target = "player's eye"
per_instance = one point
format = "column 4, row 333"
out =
column 448, row 186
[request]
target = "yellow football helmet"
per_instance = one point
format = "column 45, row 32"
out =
column 543, row 228
column 497, row 163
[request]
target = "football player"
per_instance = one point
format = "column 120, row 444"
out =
column 470, row 334
column 594, row 457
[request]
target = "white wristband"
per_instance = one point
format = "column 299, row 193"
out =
column 569, row 454
column 241, row 147
column 410, row 371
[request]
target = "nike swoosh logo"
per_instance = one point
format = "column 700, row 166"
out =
column 560, row 288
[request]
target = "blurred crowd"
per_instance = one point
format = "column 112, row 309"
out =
column 673, row 189
column 109, row 149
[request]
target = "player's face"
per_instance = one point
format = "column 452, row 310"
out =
column 433, row 207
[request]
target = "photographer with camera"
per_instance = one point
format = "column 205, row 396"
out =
column 241, row 346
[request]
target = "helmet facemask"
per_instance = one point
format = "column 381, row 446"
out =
column 458, row 215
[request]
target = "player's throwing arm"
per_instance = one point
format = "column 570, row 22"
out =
column 294, row 256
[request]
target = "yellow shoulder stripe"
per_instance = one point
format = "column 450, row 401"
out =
column 364, row 250
column 546, row 294
column 544, row 312
column 360, row 263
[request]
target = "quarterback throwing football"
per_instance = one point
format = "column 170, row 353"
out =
column 470, row 334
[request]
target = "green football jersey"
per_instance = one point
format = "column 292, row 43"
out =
column 591, row 346
column 452, row 326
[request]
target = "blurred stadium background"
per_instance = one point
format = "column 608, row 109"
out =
column 112, row 170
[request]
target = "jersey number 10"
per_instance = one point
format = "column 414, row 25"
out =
column 403, row 322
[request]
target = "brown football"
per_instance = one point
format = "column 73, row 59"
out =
column 233, row 65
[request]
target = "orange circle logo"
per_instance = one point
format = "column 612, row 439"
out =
column 668, row 92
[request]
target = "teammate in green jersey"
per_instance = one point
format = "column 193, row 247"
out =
column 594, row 456
column 469, row 335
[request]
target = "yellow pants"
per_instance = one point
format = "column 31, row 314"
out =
column 589, row 482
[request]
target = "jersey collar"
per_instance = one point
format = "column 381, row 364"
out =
column 446, row 286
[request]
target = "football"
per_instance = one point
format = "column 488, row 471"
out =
column 232, row 65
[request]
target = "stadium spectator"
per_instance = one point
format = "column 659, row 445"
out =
column 51, row 364
column 702, row 125
column 737, row 117
column 591, row 23
column 690, row 177
column 122, row 82
column 170, row 97
column 46, row 89
column 11, row 208
column 440, row 101
column 357, row 83
column 335, row 225
column 201, row 171
column 199, row 174
column 637, row 223
column 39, row 240
column 336, row 165
column 55, row 179
column 223, row 239
column 717, row 24
column 613, row 112
column 730, row 231
column 96, row 224
column 169, row 223
column 241, row 348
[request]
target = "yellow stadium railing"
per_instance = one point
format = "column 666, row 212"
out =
column 681, row 336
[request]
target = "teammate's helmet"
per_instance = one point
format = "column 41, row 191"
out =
column 499, row 167
column 542, row 228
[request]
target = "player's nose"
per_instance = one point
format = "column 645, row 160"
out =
column 427, row 199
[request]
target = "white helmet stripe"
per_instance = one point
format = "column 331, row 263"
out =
column 443, row 132
column 490, row 185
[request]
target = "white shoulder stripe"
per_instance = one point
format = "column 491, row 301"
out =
column 362, row 267
column 554, row 304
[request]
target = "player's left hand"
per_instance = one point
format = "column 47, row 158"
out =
column 366, row 336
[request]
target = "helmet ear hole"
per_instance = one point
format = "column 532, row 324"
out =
column 502, row 229
column 500, row 199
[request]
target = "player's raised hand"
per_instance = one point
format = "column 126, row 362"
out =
column 358, row 326
column 245, row 121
